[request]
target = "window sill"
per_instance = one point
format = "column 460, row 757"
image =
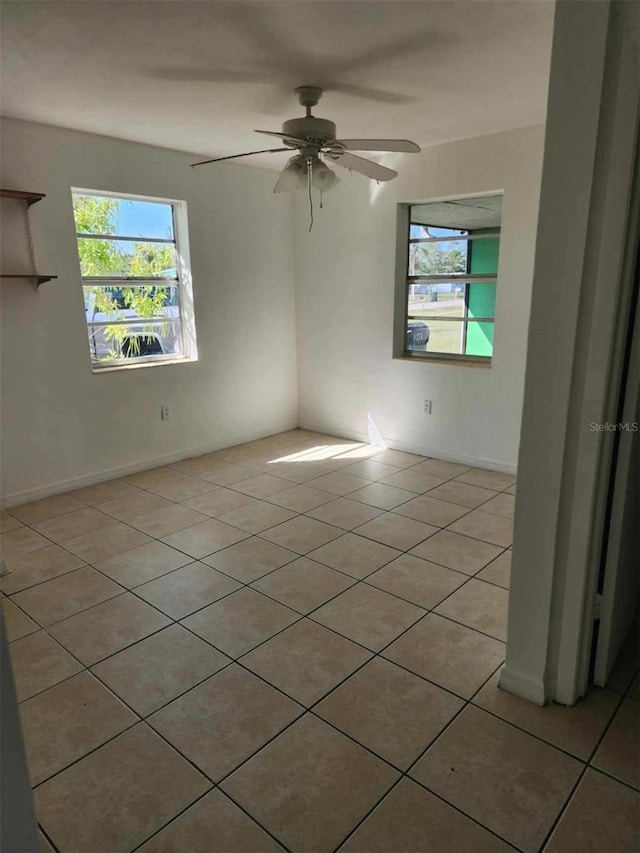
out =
column 436, row 358
column 139, row 365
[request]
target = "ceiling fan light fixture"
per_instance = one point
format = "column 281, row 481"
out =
column 293, row 178
column 322, row 178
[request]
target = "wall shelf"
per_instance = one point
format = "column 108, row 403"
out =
column 39, row 277
column 28, row 198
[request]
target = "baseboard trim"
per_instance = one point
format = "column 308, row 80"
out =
column 102, row 476
column 393, row 444
column 523, row 686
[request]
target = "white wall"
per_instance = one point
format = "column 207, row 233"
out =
column 345, row 272
column 60, row 421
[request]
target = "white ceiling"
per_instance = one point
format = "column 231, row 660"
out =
column 200, row 76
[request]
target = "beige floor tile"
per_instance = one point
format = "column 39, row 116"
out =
column 218, row 472
column 511, row 490
column 7, row 522
column 240, row 621
column 152, row 476
column 21, row 540
column 487, row 479
column 338, row 483
column 507, row 780
column 457, row 552
column 156, row 670
column 354, row 555
column 367, row 615
column 124, row 791
column 369, row 469
column 92, row 495
column 498, row 571
column 213, row 823
column 262, row 485
column 250, row 559
column 107, row 628
column 463, row 494
column 37, row 566
column 190, row 588
column 73, row 524
column 441, row 469
column 131, row 506
column 483, row 525
column 69, row 720
column 479, row 605
column 619, row 753
column 306, row 661
column 431, row 511
column 303, row 584
column 144, row 563
column 399, row 458
column 390, row 711
column 602, row 815
column 301, row 498
column 412, row 480
column 182, row 488
column 205, row 538
column 224, row 720
column 418, row 581
column 503, row 504
column 382, row 496
column 17, row 623
column 93, row 547
column 170, row 519
column 345, row 513
column 217, row 502
column 46, row 508
column 310, row 786
column 575, row 730
column 396, row 531
column 450, row 655
column 56, row 599
column 257, row 516
column 302, row 534
column 39, row 662
column 412, row 819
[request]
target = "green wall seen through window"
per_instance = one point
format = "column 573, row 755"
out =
column 481, row 296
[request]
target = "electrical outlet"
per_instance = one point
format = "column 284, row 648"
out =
column 165, row 414
column 426, row 407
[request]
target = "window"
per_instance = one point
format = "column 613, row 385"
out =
column 135, row 278
column 447, row 281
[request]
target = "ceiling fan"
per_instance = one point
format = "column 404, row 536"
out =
column 316, row 143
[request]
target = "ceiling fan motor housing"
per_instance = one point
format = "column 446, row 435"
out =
column 317, row 131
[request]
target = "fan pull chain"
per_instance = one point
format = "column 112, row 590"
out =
column 309, row 168
column 321, row 205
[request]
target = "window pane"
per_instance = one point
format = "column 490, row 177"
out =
column 438, row 258
column 139, row 340
column 130, row 303
column 122, row 258
column 123, row 217
column 479, row 339
column 449, row 336
column 429, row 300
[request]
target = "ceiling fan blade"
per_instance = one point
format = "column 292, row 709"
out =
column 292, row 139
column 359, row 164
column 379, row 145
column 235, row 156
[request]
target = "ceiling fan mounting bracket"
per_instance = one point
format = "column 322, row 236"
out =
column 308, row 96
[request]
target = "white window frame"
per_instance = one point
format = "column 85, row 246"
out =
column 403, row 280
column 183, row 282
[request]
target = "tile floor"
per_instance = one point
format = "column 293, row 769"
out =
column 295, row 644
